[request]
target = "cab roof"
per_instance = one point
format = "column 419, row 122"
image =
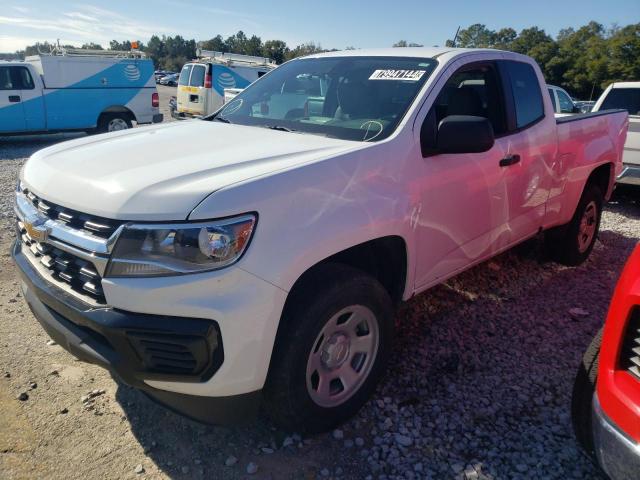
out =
column 409, row 52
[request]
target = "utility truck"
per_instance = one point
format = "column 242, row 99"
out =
column 76, row 89
column 256, row 256
column 204, row 83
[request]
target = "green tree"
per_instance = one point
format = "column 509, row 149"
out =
column 475, row 36
column 503, row 38
column 404, row 43
column 623, row 53
column 583, row 53
column 308, row 48
column 276, row 50
column 217, row 44
column 91, row 46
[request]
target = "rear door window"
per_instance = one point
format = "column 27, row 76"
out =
column 197, row 76
column 527, row 96
column 184, row 75
column 626, row 98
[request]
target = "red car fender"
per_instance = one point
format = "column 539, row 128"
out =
column 618, row 390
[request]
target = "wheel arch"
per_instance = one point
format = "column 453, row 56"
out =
column 603, row 177
column 116, row 109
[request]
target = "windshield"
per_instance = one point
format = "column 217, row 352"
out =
column 626, row 98
column 351, row 98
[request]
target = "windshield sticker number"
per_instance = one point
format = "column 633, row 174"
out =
column 411, row 75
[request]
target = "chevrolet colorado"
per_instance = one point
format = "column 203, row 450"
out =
column 255, row 257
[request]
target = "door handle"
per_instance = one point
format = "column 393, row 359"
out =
column 14, row 98
column 510, row 160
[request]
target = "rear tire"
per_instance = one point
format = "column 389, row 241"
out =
column 114, row 122
column 332, row 349
column 571, row 244
column 584, row 388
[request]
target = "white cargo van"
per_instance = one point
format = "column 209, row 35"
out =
column 202, row 83
column 71, row 89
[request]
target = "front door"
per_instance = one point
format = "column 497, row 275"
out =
column 463, row 213
column 11, row 109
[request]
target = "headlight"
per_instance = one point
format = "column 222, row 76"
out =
column 144, row 250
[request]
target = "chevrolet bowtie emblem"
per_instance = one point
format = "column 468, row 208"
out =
column 36, row 228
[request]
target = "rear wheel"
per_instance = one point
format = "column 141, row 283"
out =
column 331, row 350
column 114, row 122
column 571, row 244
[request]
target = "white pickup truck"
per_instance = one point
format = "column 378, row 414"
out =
column 626, row 95
column 256, row 256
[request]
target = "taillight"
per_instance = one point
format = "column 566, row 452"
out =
column 207, row 80
column 155, row 100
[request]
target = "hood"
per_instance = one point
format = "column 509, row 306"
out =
column 162, row 172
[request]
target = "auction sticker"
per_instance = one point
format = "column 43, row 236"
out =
column 412, row 75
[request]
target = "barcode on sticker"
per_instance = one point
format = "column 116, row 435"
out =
column 412, row 75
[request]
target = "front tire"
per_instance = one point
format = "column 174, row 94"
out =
column 331, row 350
column 582, row 397
column 571, row 244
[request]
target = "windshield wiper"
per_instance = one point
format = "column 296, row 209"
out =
column 218, row 118
column 279, row 128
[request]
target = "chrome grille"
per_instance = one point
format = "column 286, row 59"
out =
column 80, row 275
column 630, row 351
column 98, row 226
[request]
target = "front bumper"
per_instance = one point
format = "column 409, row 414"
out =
column 138, row 347
column 617, row 455
column 630, row 174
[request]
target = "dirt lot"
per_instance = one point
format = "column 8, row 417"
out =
column 479, row 386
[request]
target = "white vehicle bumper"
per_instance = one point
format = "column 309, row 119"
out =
column 199, row 344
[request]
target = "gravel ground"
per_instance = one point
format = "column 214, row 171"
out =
column 479, row 386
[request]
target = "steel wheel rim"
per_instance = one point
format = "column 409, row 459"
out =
column 587, row 228
column 342, row 356
column 116, row 124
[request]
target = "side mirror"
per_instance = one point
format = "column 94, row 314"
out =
column 463, row 134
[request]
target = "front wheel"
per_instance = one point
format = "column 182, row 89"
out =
column 571, row 244
column 331, row 350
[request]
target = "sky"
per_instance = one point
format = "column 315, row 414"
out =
column 332, row 23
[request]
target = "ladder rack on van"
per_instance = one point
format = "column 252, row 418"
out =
column 233, row 58
column 82, row 52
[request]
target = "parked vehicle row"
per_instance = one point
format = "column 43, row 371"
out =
column 263, row 268
column 72, row 90
column 160, row 74
column 170, row 80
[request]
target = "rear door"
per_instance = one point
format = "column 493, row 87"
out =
column 183, row 88
column 12, row 117
column 530, row 145
column 192, row 92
